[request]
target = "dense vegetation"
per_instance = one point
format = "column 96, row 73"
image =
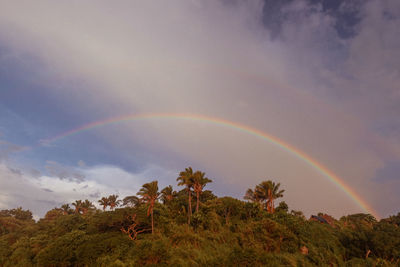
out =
column 193, row 227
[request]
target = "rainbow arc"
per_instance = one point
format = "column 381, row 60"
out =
column 236, row 126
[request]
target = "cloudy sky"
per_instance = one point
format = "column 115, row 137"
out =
column 323, row 76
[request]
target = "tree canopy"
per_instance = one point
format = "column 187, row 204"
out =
column 158, row 228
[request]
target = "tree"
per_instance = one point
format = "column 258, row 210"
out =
column 298, row 214
column 252, row 196
column 269, row 191
column 53, row 214
column 167, row 194
column 265, row 193
column 17, row 213
column 78, row 206
column 133, row 229
column 131, row 201
column 149, row 193
column 86, row 206
column 104, row 202
column 385, row 240
column 274, row 194
column 282, row 207
column 186, row 178
column 66, row 209
column 113, row 202
column 395, row 219
column 199, row 181
column 229, row 207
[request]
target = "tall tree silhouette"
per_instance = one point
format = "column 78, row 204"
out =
column 186, row 179
column 113, row 202
column 78, row 206
column 86, row 206
column 267, row 192
column 252, row 196
column 199, row 181
column 149, row 193
column 273, row 194
column 131, row 201
column 65, row 209
column 167, row 194
column 104, row 202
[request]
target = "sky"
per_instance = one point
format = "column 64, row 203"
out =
column 322, row 76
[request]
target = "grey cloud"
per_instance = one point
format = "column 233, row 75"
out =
column 95, row 195
column 15, row 171
column 40, row 194
column 48, row 190
column 63, row 172
column 345, row 14
column 17, row 190
column 35, row 173
column 48, row 203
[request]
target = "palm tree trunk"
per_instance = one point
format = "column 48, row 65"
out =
column 190, row 203
column 272, row 206
column 152, row 222
column 269, row 209
column 190, row 206
column 197, row 204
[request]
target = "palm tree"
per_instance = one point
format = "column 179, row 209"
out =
column 131, row 201
column 265, row 193
column 167, row 194
column 65, row 209
column 269, row 191
column 113, row 202
column 86, row 206
column 275, row 193
column 262, row 192
column 251, row 196
column 104, row 202
column 199, row 182
column 78, row 206
column 185, row 178
column 149, row 193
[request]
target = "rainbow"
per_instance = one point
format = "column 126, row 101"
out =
column 233, row 125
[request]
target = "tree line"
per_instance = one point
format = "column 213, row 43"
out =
column 264, row 195
column 194, row 227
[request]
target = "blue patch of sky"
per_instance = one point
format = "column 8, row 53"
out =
column 346, row 13
column 30, row 90
column 31, row 110
column 25, row 94
column 273, row 17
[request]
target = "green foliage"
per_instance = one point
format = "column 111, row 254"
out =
column 265, row 194
column 18, row 213
column 5, row 251
column 224, row 232
column 282, row 207
column 385, row 240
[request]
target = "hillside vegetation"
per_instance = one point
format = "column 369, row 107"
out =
column 193, row 227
